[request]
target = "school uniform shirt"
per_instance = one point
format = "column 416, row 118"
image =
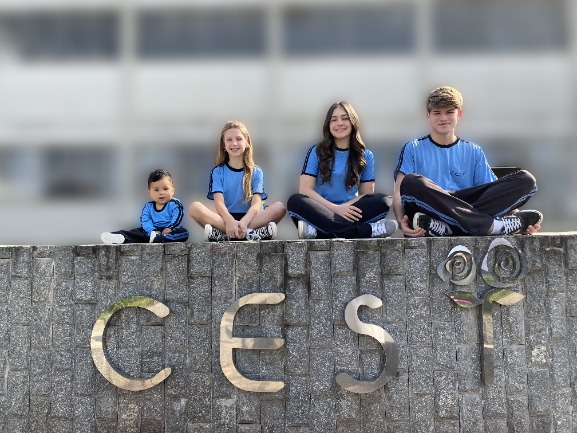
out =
column 228, row 181
column 335, row 190
column 170, row 216
column 454, row 167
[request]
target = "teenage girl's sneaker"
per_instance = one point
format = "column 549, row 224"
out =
column 265, row 233
column 305, row 230
column 432, row 226
column 383, row 228
column 518, row 223
column 212, row 234
column 112, row 238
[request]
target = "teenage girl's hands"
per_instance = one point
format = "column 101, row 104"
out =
column 166, row 231
column 348, row 211
column 408, row 231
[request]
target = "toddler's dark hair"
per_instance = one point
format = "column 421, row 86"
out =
column 156, row 175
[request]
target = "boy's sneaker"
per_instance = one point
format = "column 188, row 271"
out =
column 305, row 230
column 153, row 235
column 112, row 238
column 265, row 233
column 383, row 228
column 212, row 234
column 433, row 227
column 518, row 223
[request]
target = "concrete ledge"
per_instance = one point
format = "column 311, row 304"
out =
column 50, row 298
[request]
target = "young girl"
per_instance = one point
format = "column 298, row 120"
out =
column 236, row 186
column 336, row 190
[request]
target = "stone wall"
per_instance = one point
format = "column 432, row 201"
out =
column 50, row 298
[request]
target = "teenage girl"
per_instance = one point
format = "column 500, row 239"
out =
column 236, row 186
column 336, row 190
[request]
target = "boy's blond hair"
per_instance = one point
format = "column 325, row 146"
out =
column 444, row 96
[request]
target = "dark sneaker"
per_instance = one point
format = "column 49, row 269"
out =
column 305, row 230
column 112, row 238
column 383, row 228
column 518, row 223
column 265, row 233
column 432, row 226
column 212, row 234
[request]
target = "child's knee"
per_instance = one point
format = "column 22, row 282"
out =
column 278, row 209
column 194, row 209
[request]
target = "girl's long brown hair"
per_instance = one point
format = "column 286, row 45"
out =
column 222, row 156
column 326, row 148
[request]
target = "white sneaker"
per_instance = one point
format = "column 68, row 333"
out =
column 212, row 234
column 153, row 235
column 112, row 238
column 264, row 233
column 305, row 230
column 383, row 228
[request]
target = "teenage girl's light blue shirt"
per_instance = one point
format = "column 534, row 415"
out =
column 335, row 189
column 454, row 167
column 228, row 181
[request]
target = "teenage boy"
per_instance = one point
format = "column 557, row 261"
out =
column 160, row 219
column 444, row 185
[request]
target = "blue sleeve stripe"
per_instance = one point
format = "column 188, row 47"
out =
column 307, row 161
column 368, row 180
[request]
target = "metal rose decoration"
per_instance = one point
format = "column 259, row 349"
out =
column 503, row 264
column 502, row 267
column 459, row 269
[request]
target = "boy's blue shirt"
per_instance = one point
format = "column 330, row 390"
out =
column 335, row 190
column 454, row 167
column 228, row 181
column 169, row 217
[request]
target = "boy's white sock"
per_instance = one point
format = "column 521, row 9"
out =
column 498, row 226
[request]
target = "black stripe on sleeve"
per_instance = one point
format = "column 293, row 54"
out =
column 306, row 163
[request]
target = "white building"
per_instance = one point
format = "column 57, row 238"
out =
column 94, row 94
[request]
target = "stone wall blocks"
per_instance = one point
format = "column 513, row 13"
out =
column 555, row 271
column 21, row 262
column 108, row 261
column 342, row 257
column 296, row 305
column 131, row 249
column 319, row 279
column 319, row 244
column 248, row 258
column 296, row 258
column 86, row 250
column 5, row 252
column 175, row 248
column 64, row 262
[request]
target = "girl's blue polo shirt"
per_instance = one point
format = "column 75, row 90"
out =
column 228, row 181
column 335, row 190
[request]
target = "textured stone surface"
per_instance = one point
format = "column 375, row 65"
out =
column 50, row 298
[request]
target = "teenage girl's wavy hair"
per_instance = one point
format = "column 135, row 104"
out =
column 326, row 148
column 222, row 156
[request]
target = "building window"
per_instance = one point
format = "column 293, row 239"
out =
column 78, row 172
column 201, row 32
column 60, row 35
column 507, row 26
column 349, row 30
